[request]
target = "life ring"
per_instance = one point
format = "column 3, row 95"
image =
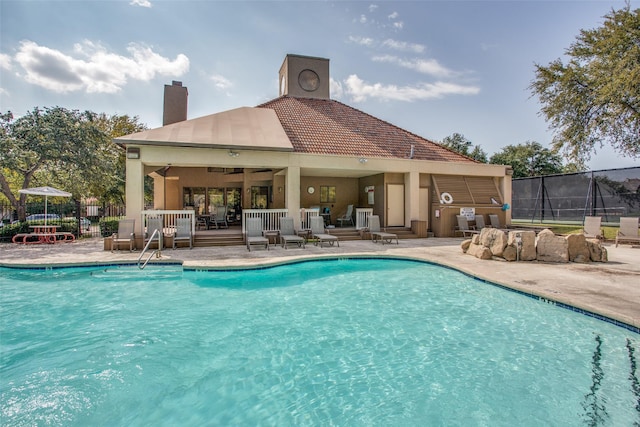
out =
column 446, row 198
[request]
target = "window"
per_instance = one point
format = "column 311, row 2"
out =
column 327, row 194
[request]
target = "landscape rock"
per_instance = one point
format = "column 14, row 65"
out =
column 597, row 252
column 494, row 239
column 479, row 251
column 465, row 245
column 510, row 253
column 528, row 249
column 551, row 248
column 578, row 249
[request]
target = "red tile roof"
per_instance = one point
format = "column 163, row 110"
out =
column 325, row 126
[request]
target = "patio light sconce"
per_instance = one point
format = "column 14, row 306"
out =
column 362, row 160
column 133, row 153
column 233, row 154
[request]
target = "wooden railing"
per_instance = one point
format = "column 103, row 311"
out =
column 362, row 217
column 169, row 219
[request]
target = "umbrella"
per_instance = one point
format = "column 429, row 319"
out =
column 46, row 192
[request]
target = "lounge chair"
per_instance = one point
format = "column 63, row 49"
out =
column 463, row 226
column 347, row 217
column 183, row 232
column 592, row 227
column 153, row 224
column 253, row 233
column 125, row 234
column 628, row 231
column 480, row 222
column 220, row 217
column 377, row 234
column 319, row 233
column 288, row 234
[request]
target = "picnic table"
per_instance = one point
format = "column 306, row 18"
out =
column 43, row 234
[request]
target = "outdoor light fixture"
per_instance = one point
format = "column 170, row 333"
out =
column 133, row 153
column 232, row 153
column 362, row 160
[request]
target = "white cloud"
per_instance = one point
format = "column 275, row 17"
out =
column 394, row 15
column 221, row 82
column 335, row 89
column 143, row 3
column 363, row 19
column 403, row 46
column 373, row 7
column 94, row 70
column 424, row 66
column 5, row 61
column 399, row 25
column 360, row 91
column 364, row 41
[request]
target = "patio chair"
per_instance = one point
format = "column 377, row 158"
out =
column 463, row 226
column 494, row 220
column 377, row 234
column 125, row 234
column 347, row 217
column 628, row 231
column 253, row 233
column 183, row 232
column 153, row 224
column 288, row 234
column 319, row 233
column 480, row 222
column 592, row 227
column 220, row 217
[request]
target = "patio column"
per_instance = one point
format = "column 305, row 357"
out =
column 292, row 194
column 411, row 197
column 135, row 192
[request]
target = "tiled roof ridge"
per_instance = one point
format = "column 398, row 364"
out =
column 314, row 103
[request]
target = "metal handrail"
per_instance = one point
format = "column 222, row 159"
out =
column 157, row 252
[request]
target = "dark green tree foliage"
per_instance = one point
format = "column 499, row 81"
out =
column 457, row 142
column 528, row 159
column 593, row 100
column 67, row 149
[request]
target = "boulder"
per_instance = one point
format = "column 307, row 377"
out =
column 597, row 252
column 510, row 253
column 479, row 251
column 465, row 245
column 551, row 248
column 578, row 249
column 528, row 248
column 494, row 239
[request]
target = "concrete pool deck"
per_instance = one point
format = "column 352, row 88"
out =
column 611, row 289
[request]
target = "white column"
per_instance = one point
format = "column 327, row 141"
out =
column 135, row 192
column 292, row 194
column 411, row 197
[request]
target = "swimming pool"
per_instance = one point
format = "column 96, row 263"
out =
column 335, row 342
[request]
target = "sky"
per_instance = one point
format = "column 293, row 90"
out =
column 434, row 68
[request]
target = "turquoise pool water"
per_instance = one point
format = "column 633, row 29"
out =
column 344, row 343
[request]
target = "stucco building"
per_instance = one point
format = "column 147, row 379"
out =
column 302, row 150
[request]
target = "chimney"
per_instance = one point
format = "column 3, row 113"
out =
column 175, row 103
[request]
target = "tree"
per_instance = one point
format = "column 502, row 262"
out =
column 529, row 159
column 71, row 150
column 594, row 99
column 457, row 142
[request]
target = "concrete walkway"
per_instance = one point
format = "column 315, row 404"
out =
column 611, row 289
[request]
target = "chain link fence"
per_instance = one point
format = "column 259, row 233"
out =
column 610, row 194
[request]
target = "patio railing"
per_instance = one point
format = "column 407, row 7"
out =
column 169, row 219
column 362, row 217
